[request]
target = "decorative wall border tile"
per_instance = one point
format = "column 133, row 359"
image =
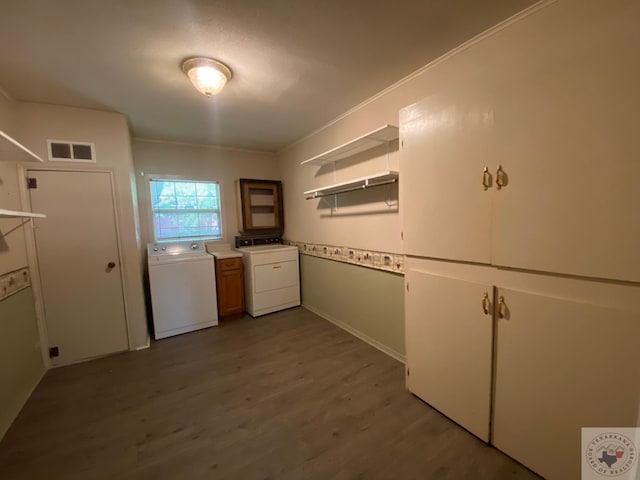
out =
column 13, row 282
column 389, row 262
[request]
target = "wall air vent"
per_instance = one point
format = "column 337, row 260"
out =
column 60, row 151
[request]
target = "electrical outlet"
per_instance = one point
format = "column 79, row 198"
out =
column 398, row 262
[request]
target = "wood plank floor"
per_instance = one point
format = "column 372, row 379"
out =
column 284, row 396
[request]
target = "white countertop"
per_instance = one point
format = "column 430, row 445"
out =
column 222, row 250
column 226, row 254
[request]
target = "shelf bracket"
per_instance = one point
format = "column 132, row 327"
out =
column 390, row 203
column 21, row 224
column 388, row 153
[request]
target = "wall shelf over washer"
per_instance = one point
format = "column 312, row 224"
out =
column 13, row 151
column 379, row 136
column 19, row 214
column 376, row 180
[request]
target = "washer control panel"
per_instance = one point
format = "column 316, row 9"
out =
column 176, row 248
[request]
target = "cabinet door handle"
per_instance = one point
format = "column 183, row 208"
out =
column 485, row 303
column 486, row 178
column 277, row 266
column 501, row 307
column 500, row 180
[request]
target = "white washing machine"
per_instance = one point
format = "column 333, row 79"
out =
column 182, row 280
column 271, row 278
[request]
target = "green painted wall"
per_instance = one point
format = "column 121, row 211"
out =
column 369, row 303
column 21, row 366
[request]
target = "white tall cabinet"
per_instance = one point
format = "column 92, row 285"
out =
column 545, row 356
column 519, row 202
column 539, row 168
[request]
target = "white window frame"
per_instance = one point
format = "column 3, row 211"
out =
column 182, row 178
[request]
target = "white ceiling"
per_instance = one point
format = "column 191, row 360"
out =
column 297, row 64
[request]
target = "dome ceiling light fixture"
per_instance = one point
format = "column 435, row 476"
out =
column 207, row 75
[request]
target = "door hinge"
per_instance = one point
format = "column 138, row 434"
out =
column 32, row 183
column 54, row 352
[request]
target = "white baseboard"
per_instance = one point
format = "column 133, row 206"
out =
column 357, row 333
column 145, row 346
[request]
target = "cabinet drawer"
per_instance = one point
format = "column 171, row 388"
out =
column 229, row 263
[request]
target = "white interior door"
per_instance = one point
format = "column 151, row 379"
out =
column 449, row 347
column 79, row 264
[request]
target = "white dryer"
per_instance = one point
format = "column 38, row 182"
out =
column 271, row 278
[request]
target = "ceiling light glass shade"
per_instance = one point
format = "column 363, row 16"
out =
column 207, row 75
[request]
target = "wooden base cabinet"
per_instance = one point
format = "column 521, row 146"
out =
column 551, row 356
column 230, row 286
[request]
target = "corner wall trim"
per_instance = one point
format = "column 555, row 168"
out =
column 358, row 334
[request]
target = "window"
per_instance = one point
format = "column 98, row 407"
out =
column 185, row 209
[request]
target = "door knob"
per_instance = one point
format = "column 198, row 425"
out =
column 111, row 265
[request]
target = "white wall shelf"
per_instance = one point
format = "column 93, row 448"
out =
column 376, row 180
column 379, row 136
column 13, row 151
column 19, row 214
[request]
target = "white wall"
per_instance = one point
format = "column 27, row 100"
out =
column 492, row 56
column 196, row 162
column 110, row 134
column 524, row 34
column 13, row 254
column 536, row 31
column 21, row 362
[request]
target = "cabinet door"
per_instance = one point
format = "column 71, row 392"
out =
column 566, row 134
column 445, row 208
column 449, row 347
column 231, row 291
column 560, row 366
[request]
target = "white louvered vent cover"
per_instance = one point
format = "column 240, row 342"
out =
column 61, row 151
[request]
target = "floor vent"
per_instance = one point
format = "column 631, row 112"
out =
column 71, row 151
